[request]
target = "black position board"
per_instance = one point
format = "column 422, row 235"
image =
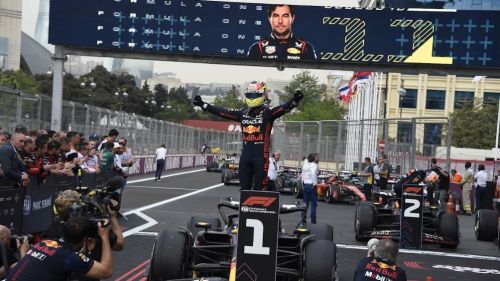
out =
column 257, row 236
column 412, row 201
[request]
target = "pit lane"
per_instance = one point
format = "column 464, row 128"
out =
column 152, row 206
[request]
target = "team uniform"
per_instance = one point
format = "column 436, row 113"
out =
column 377, row 269
column 50, row 261
column 292, row 48
column 256, row 124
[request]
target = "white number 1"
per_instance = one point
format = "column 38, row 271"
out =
column 258, row 235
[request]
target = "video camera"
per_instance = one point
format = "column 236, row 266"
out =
column 20, row 238
column 94, row 203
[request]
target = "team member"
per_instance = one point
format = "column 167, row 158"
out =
column 161, row 155
column 274, row 168
column 369, row 174
column 384, row 171
column 382, row 266
column 466, row 184
column 52, row 260
column 256, row 121
column 443, row 184
column 481, row 177
column 310, row 180
column 282, row 44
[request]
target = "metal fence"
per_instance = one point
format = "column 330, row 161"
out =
column 342, row 145
column 144, row 134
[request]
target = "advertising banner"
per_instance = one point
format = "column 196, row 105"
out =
column 257, row 235
column 249, row 31
column 11, row 212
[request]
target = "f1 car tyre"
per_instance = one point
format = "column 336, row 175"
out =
column 298, row 190
column 322, row 231
column 485, row 225
column 364, row 220
column 211, row 165
column 333, row 193
column 168, row 260
column 319, row 261
column 448, row 229
column 213, row 221
column 228, row 177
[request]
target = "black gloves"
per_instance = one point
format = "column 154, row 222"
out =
column 297, row 96
column 198, row 101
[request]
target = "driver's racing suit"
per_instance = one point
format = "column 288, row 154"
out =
column 256, row 125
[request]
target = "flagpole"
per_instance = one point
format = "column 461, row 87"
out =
column 498, row 127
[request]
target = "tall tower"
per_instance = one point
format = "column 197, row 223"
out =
column 42, row 25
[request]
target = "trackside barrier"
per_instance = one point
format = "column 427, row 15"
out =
column 29, row 210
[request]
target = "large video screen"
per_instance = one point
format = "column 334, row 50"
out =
column 246, row 31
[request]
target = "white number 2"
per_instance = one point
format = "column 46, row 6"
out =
column 258, row 235
column 409, row 210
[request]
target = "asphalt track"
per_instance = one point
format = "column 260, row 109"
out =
column 153, row 206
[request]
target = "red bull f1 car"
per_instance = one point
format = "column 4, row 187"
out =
column 382, row 218
column 206, row 250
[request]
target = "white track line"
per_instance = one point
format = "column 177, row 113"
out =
column 154, row 205
column 430, row 253
column 150, row 223
column 160, row 187
column 167, row 176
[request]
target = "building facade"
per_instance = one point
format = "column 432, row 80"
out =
column 10, row 34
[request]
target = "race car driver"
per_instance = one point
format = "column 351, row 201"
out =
column 282, row 43
column 256, row 122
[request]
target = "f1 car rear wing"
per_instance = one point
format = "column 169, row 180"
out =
column 231, row 203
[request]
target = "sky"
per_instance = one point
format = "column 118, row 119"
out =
column 208, row 73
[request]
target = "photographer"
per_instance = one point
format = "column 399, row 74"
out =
column 8, row 250
column 57, row 260
column 68, row 202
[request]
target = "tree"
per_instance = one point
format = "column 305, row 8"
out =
column 327, row 109
column 231, row 99
column 474, row 126
column 19, row 80
column 313, row 107
column 309, row 84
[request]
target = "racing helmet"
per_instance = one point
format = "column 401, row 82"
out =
column 255, row 94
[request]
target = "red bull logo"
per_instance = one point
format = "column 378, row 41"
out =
column 251, row 129
column 51, row 243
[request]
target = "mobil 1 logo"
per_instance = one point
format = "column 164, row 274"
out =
column 412, row 200
column 257, row 236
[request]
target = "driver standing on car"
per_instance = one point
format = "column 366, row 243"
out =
column 256, row 122
column 274, row 168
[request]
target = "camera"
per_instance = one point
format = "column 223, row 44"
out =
column 20, row 238
column 94, row 203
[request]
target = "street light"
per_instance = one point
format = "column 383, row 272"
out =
column 150, row 102
column 121, row 92
column 88, row 82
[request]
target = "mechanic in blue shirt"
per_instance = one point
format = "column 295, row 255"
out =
column 52, row 260
column 382, row 266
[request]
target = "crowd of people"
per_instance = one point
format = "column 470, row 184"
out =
column 44, row 152
column 73, row 245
